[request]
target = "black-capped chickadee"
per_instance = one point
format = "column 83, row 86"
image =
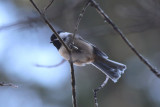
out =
column 84, row 53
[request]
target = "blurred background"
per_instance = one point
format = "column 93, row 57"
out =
column 25, row 43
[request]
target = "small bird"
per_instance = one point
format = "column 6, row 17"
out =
column 84, row 53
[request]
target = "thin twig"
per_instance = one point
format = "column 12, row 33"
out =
column 76, row 29
column 8, row 84
column 45, row 9
column 74, row 33
column 106, row 18
column 70, row 60
column 50, row 26
column 50, row 66
column 99, row 88
column 80, row 17
column 74, row 102
column 28, row 22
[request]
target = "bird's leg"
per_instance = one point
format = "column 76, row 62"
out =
column 72, row 46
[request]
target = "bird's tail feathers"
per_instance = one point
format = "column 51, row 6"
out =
column 111, row 68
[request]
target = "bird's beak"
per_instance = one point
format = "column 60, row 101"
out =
column 54, row 40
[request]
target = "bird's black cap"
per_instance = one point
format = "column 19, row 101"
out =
column 53, row 37
column 56, row 43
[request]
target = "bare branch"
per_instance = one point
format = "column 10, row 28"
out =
column 74, row 102
column 76, row 29
column 28, row 22
column 50, row 26
column 8, row 84
column 51, row 66
column 106, row 18
column 99, row 88
column 70, row 60
column 45, row 9
column 79, row 18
